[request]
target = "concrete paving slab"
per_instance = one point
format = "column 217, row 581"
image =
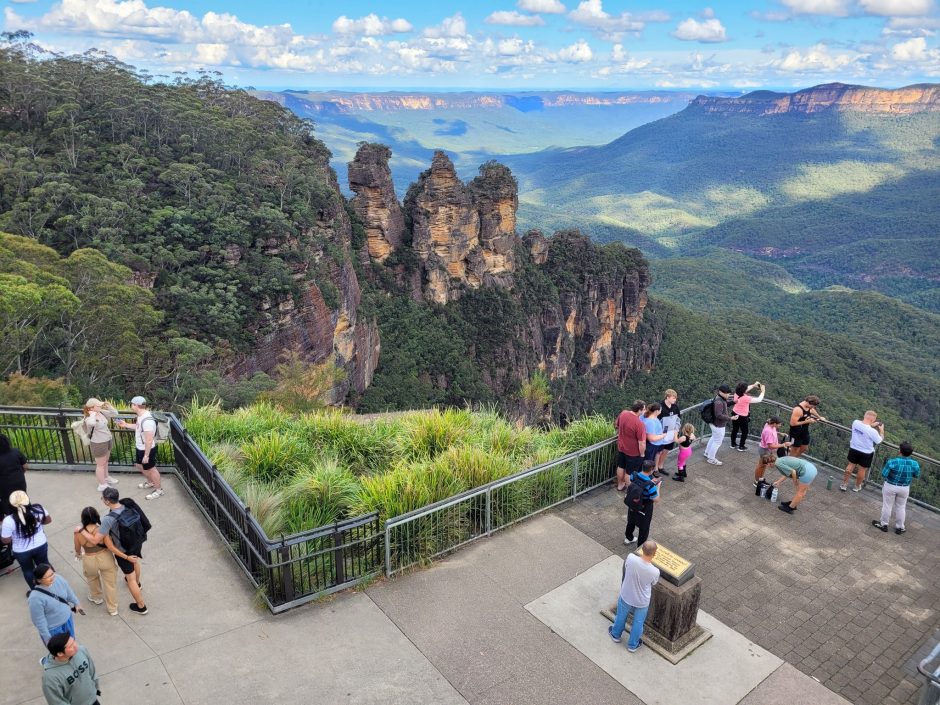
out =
column 536, row 556
column 343, row 651
column 466, row 616
column 788, row 686
column 720, row 672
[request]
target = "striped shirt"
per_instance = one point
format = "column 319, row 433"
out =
column 900, row 471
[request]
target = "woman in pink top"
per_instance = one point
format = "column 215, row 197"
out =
column 742, row 412
column 769, row 445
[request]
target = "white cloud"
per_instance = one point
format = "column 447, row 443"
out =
column 706, row 31
column 551, row 7
column 914, row 51
column 685, row 83
column 591, row 14
column 371, row 25
column 816, row 59
column 513, row 18
column 897, row 8
column 577, row 53
column 771, row 16
column 911, row 26
column 622, row 62
column 834, row 8
column 455, row 26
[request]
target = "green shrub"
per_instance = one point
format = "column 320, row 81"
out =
column 425, row 434
column 273, row 456
column 266, row 502
column 319, row 495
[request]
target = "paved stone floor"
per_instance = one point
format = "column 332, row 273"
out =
column 822, row 589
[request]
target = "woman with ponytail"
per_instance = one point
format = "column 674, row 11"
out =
column 23, row 528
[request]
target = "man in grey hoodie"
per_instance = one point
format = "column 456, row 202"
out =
column 68, row 673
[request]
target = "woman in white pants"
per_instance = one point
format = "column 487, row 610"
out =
column 898, row 474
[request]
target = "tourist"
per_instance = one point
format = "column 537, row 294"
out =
column 769, row 445
column 866, row 434
column 98, row 563
column 802, row 472
column 68, row 673
column 636, row 591
column 671, row 417
column 23, row 529
column 97, row 416
column 718, row 425
column 640, row 517
column 898, row 473
column 684, row 440
column 654, row 432
column 631, row 443
column 803, row 415
column 12, row 474
column 145, row 431
column 128, row 557
column 52, row 602
column 741, row 422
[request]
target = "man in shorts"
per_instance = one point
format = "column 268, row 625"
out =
column 128, row 558
column 802, row 472
column 866, row 434
column 145, row 431
column 631, row 443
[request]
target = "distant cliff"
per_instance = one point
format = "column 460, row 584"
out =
column 831, row 96
column 562, row 304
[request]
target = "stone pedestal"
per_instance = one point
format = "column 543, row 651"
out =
column 671, row 629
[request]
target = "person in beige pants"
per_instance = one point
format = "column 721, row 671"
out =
column 97, row 561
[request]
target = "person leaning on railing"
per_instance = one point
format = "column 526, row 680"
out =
column 803, row 415
column 898, row 473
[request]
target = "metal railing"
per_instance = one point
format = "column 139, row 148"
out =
column 442, row 527
column 929, row 668
column 287, row 571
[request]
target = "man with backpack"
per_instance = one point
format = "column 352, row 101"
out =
column 124, row 529
column 715, row 414
column 145, row 441
column 642, row 494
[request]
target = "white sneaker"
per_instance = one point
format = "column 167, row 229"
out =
column 856, row 489
column 714, row 461
column 94, row 601
column 112, row 480
column 102, row 488
column 145, row 485
column 155, row 494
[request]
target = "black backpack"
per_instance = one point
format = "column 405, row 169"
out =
column 637, row 492
column 708, row 411
column 132, row 526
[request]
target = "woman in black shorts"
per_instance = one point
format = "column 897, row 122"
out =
column 802, row 416
column 671, row 419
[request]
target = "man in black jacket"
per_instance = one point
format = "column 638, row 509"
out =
column 722, row 417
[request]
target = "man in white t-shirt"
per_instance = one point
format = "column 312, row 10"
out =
column 866, row 434
column 145, row 431
column 636, row 590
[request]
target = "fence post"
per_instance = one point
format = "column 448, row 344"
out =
column 388, row 552
column 65, row 433
column 287, row 572
column 339, row 558
column 574, row 477
column 489, row 511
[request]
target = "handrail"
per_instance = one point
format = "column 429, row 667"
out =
column 933, row 676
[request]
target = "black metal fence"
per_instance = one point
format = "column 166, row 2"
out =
column 288, row 571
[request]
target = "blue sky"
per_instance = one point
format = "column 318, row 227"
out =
column 504, row 44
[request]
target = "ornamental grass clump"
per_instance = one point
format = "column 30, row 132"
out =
column 364, row 448
column 267, row 505
column 425, row 434
column 587, row 431
column 273, row 456
column 320, row 494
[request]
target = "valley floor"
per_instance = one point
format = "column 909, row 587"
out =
column 822, row 590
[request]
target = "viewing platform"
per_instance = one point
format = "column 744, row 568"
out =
column 821, row 590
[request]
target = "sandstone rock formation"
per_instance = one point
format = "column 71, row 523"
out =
column 375, row 202
column 831, row 96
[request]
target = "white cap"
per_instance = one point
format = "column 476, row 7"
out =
column 139, row 401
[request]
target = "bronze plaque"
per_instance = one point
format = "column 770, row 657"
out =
column 673, row 567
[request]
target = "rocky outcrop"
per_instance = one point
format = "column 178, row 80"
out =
column 463, row 235
column 375, row 202
column 830, row 96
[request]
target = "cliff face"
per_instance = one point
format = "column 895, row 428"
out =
column 562, row 304
column 463, row 235
column 832, row 96
column 323, row 320
column 375, row 202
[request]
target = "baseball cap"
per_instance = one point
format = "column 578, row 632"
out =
column 139, row 400
column 724, row 389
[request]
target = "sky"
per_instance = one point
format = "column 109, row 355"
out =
column 497, row 45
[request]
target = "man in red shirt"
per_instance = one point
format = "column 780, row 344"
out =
column 631, row 443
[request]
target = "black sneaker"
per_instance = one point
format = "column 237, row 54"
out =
column 139, row 610
column 878, row 525
column 897, row 531
column 786, row 508
column 739, row 449
column 678, row 478
column 744, row 448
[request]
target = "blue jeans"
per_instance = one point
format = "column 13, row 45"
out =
column 636, row 630
column 67, row 628
column 30, row 559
